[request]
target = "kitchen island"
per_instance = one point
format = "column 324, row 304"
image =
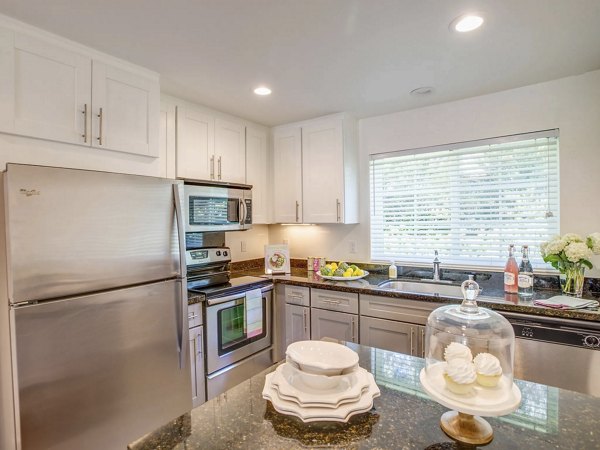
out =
column 404, row 417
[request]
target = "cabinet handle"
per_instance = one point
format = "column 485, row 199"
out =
column 219, row 163
column 85, row 130
column 412, row 334
column 200, row 344
column 100, row 117
column 332, row 302
column 305, row 321
column 297, row 211
column 298, row 297
column 212, row 167
column 337, row 209
column 191, row 316
column 353, row 324
column 422, row 342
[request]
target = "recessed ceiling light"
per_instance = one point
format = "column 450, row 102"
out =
column 425, row 90
column 262, row 90
column 468, row 22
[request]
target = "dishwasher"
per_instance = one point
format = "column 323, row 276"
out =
column 558, row 352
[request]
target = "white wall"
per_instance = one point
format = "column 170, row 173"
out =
column 254, row 241
column 571, row 104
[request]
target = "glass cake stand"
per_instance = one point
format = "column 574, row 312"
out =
column 471, row 330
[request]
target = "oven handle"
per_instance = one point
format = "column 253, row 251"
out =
column 228, row 298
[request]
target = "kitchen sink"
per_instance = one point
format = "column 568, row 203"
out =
column 444, row 290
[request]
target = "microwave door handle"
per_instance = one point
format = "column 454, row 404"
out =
column 245, row 212
column 241, row 210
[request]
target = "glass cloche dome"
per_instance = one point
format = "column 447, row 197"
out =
column 470, row 348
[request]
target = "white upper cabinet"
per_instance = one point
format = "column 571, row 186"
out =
column 230, row 151
column 44, row 89
column 53, row 90
column 323, row 172
column 209, row 148
column 257, row 173
column 125, row 110
column 195, row 144
column 316, row 165
column 287, row 175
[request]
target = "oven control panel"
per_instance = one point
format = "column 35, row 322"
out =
column 205, row 256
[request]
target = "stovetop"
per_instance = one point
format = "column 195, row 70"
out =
column 235, row 285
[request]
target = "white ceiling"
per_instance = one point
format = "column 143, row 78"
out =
column 326, row 56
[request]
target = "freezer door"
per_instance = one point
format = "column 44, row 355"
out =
column 100, row 371
column 76, row 231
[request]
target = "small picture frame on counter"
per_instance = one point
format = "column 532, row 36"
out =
column 277, row 259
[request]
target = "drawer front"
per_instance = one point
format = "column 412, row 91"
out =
column 399, row 309
column 397, row 337
column 335, row 301
column 297, row 295
column 195, row 315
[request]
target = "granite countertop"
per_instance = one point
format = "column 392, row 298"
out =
column 492, row 295
column 404, row 417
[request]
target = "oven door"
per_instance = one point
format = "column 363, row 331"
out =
column 226, row 340
column 212, row 208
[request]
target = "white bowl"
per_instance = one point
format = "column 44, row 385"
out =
column 319, row 382
column 321, row 357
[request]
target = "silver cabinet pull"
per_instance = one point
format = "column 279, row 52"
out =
column 200, row 344
column 337, row 209
column 212, row 167
column 297, row 211
column 412, row 334
column 85, row 130
column 219, row 164
column 100, row 117
column 305, row 316
column 353, row 325
column 422, row 342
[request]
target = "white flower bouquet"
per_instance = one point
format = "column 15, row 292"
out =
column 570, row 254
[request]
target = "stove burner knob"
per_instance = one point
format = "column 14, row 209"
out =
column 591, row 341
column 224, row 253
column 218, row 252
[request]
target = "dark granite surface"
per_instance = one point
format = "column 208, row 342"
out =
column 492, row 295
column 404, row 417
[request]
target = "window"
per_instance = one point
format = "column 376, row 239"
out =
column 469, row 201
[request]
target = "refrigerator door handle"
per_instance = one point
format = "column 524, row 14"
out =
column 182, row 301
column 180, row 230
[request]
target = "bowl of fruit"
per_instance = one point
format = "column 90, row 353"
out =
column 342, row 272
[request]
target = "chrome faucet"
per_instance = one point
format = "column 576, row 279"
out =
column 436, row 267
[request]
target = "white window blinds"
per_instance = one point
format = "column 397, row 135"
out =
column 469, row 201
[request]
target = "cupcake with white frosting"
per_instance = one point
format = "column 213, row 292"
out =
column 488, row 369
column 457, row 350
column 460, row 376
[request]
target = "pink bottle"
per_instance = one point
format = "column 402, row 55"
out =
column 511, row 273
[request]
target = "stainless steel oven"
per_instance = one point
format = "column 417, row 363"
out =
column 226, row 337
column 232, row 356
column 217, row 207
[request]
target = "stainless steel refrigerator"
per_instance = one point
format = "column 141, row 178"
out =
column 93, row 321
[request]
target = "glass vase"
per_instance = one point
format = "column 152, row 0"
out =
column 571, row 281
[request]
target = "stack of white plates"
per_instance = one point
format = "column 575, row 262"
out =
column 295, row 389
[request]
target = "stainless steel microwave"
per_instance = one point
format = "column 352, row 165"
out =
column 217, row 208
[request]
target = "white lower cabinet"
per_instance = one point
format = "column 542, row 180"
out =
column 197, row 366
column 398, row 337
column 333, row 324
column 297, row 323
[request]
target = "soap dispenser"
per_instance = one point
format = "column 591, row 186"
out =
column 393, row 270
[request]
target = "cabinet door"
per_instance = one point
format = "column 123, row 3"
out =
column 389, row 335
column 44, row 90
column 197, row 366
column 323, row 174
column 257, row 173
column 167, row 140
column 297, row 323
column 195, row 144
column 126, row 110
column 333, row 324
column 287, row 175
column 230, row 151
